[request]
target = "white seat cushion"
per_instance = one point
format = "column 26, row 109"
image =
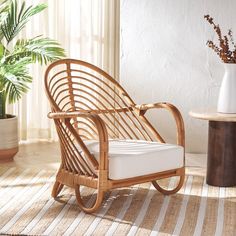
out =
column 131, row 158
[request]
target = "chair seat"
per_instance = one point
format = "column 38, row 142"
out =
column 132, row 158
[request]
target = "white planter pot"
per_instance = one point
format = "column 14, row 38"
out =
column 8, row 138
column 227, row 95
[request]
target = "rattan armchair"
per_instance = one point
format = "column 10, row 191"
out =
column 106, row 141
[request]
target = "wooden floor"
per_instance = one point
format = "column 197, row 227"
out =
column 47, row 155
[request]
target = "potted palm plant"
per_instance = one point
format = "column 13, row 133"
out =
column 15, row 56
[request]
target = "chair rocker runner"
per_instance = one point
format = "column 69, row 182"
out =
column 105, row 139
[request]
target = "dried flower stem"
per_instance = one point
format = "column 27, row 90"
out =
column 223, row 50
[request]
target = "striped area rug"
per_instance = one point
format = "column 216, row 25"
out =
column 26, row 208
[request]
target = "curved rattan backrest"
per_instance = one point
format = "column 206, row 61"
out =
column 74, row 85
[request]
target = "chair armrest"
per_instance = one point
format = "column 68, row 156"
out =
column 142, row 109
column 102, row 134
column 64, row 115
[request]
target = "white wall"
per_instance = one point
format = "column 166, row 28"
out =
column 164, row 57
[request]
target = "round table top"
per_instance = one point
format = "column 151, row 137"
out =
column 213, row 115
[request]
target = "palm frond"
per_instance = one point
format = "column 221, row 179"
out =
column 15, row 87
column 15, row 20
column 14, row 61
column 42, row 50
column 4, row 6
column 16, row 77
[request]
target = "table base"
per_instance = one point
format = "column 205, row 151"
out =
column 221, row 161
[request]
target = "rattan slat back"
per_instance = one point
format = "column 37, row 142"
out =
column 74, row 85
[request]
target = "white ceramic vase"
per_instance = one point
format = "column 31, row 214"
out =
column 227, row 95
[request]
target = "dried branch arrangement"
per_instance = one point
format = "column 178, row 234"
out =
column 223, row 50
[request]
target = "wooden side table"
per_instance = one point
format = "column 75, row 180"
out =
column 221, row 156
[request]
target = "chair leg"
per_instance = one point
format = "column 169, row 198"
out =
column 89, row 209
column 57, row 187
column 172, row 191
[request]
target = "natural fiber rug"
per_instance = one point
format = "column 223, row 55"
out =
column 26, row 208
